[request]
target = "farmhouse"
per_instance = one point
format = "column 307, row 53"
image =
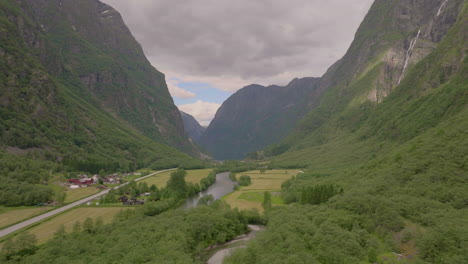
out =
column 84, row 181
column 123, row 198
column 134, row 202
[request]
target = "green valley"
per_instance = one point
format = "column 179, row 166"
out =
column 367, row 164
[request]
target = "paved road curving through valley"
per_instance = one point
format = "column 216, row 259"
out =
column 41, row 217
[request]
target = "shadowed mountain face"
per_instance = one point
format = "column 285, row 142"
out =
column 192, row 127
column 256, row 116
column 393, row 37
column 404, row 53
column 88, row 43
column 74, row 80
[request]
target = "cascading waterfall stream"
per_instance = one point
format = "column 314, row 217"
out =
column 441, row 7
column 413, row 43
column 408, row 54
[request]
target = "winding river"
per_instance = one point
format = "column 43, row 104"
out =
column 221, row 187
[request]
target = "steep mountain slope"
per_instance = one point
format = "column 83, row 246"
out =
column 256, row 116
column 86, row 44
column 77, row 93
column 398, row 150
column 391, row 39
column 387, row 47
column 192, row 127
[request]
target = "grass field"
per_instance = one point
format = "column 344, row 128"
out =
column 12, row 215
column 77, row 194
column 251, row 197
column 193, row 176
column 44, row 231
column 258, row 197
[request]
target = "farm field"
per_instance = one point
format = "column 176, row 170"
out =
column 77, row 194
column 193, row 176
column 45, row 230
column 12, row 215
column 251, row 197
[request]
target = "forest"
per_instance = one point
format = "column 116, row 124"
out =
column 177, row 236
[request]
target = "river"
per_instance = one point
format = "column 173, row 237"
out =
column 221, row 187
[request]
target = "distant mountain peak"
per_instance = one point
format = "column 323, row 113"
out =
column 193, row 129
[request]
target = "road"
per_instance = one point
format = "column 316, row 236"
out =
column 41, row 217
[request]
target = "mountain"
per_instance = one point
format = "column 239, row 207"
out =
column 384, row 149
column 395, row 63
column 192, row 127
column 77, row 93
column 256, row 116
column 88, row 45
column 385, row 152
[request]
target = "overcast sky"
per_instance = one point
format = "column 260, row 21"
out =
column 208, row 49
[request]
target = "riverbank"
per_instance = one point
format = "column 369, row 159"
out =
column 219, row 252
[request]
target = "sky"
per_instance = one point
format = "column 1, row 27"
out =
column 209, row 49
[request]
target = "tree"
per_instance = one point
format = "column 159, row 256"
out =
column 143, row 187
column 232, row 176
column 99, row 222
column 266, row 204
column 60, row 231
column 177, row 184
column 25, row 244
column 245, row 180
column 372, row 255
column 88, row 225
column 134, row 192
column 153, row 188
column 77, row 227
column 206, row 200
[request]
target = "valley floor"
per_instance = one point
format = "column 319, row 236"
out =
column 37, row 219
column 251, row 197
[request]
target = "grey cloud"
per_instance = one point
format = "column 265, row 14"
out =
column 243, row 38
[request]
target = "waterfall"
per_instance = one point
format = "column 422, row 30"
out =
column 408, row 54
column 441, row 7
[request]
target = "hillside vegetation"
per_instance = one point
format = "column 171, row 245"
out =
column 257, row 116
column 399, row 164
column 77, row 94
column 383, row 154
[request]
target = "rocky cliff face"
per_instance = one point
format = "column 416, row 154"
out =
column 406, row 57
column 75, row 85
column 256, row 116
column 192, row 127
column 393, row 37
column 87, row 45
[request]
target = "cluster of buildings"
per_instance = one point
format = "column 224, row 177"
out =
column 84, row 180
